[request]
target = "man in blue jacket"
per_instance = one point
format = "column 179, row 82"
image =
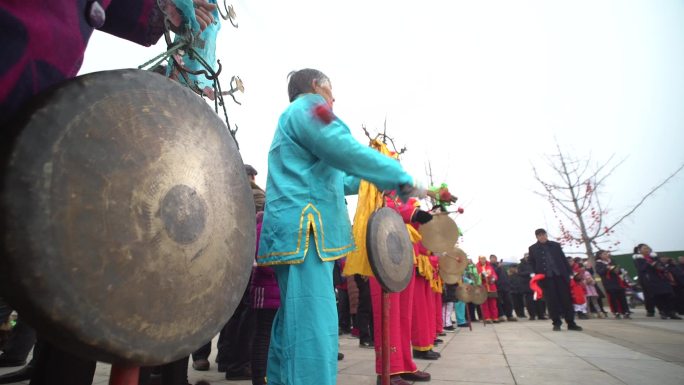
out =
column 313, row 162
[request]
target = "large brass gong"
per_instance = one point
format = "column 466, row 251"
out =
column 128, row 226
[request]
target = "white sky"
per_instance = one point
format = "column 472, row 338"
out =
column 481, row 89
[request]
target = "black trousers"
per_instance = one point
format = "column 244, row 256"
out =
column 53, row 366
column 20, row 342
column 260, row 342
column 343, row 312
column 558, row 299
column 518, row 304
column 664, row 303
column 618, row 301
column 679, row 299
column 505, row 303
column 364, row 313
column 475, row 311
column 535, row 309
column 5, row 311
column 649, row 302
column 234, row 342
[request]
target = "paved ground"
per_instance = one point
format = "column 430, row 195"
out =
column 640, row 351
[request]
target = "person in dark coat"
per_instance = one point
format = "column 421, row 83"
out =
column 610, row 276
column 517, row 291
column 658, row 281
column 547, row 257
column 678, row 273
column 505, row 302
column 535, row 308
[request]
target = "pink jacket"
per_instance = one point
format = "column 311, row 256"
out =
column 589, row 285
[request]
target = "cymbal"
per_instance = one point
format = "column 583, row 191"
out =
column 452, row 264
column 440, row 234
column 479, row 295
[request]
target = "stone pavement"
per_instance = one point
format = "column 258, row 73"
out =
column 639, row 351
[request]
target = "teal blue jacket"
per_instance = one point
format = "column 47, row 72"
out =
column 311, row 165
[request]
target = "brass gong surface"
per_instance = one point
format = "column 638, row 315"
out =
column 390, row 251
column 127, row 219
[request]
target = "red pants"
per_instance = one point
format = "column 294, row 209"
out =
column 401, row 358
column 423, row 326
column 439, row 313
column 490, row 310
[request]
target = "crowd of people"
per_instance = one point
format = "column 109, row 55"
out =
column 303, row 293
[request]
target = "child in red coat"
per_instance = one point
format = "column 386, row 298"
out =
column 578, row 292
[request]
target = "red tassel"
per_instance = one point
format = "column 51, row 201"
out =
column 323, row 113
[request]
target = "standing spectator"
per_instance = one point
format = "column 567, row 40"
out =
column 535, row 307
column 579, row 298
column 490, row 310
column 547, row 257
column 658, row 280
column 599, row 289
column 649, row 303
column 517, row 291
column 591, row 292
column 677, row 272
column 503, row 286
column 610, row 276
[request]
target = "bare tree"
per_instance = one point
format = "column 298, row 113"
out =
column 574, row 195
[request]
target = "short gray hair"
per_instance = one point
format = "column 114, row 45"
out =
column 299, row 82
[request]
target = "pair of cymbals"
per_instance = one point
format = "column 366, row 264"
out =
column 452, row 264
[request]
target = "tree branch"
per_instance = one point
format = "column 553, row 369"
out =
column 643, row 199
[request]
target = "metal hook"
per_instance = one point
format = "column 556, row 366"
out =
column 235, row 86
column 228, row 14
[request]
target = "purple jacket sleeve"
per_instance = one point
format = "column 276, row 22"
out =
column 43, row 42
column 139, row 21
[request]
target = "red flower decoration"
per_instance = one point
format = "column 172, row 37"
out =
column 323, row 113
column 444, row 195
column 460, row 210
